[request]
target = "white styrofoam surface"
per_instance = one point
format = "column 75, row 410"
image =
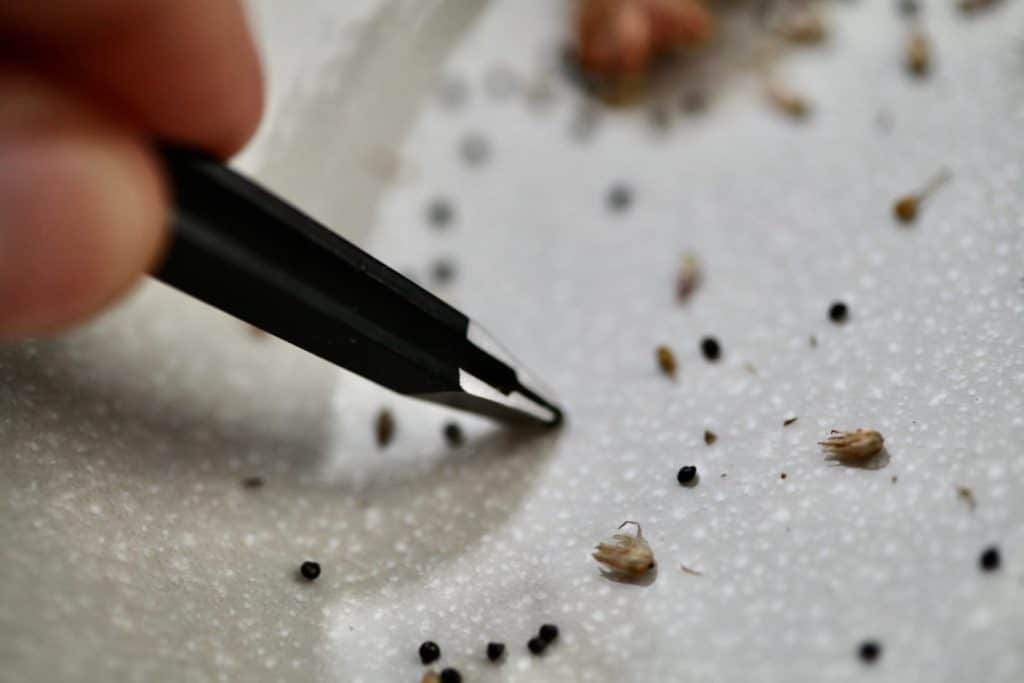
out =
column 130, row 552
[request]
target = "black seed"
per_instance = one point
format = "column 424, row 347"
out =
column 442, row 271
column 384, row 428
column 475, row 149
column 495, row 651
column 838, row 312
column 536, row 645
column 429, row 652
column 252, row 482
column 990, row 560
column 440, row 213
column 453, row 434
column 620, row 197
column 687, row 475
column 548, row 633
column 451, row 676
column 310, row 570
column 909, row 8
column 711, row 349
column 870, row 651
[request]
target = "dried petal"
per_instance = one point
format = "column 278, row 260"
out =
column 627, row 555
column 857, row 446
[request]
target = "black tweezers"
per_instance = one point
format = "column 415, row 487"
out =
column 241, row 249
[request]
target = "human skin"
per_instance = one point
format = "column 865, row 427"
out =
column 86, row 87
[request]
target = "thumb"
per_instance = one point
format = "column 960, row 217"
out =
column 82, row 207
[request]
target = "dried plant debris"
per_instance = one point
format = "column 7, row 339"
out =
column 852, row 447
column 689, row 277
column 691, row 572
column 804, row 27
column 788, row 102
column 972, row 6
column 666, row 360
column 788, row 421
column 430, row 677
column 966, row 494
column 253, row 482
column 384, row 428
column 906, row 208
column 710, row 437
column 617, row 39
column 626, row 555
column 918, row 53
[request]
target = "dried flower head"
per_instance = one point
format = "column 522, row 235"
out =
column 689, row 276
column 627, row 555
column 616, row 38
column 857, row 446
column 918, row 55
column 905, row 208
column 666, row 360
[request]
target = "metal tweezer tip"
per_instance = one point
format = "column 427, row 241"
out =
column 244, row 250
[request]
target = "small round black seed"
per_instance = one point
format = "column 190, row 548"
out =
column 440, row 213
column 310, row 570
column 442, row 271
column 711, row 349
column 687, row 475
column 838, row 312
column 990, row 560
column 909, row 8
column 495, row 651
column 870, row 651
column 451, row 676
column 429, row 652
column 548, row 633
column 536, row 645
column 475, row 149
column 453, row 434
column 620, row 197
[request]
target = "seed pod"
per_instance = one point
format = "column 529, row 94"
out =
column 689, row 277
column 918, row 56
column 850, row 447
column 666, row 360
column 905, row 208
column 626, row 555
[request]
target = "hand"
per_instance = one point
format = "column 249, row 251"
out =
column 85, row 87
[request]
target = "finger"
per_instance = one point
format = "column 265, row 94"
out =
column 185, row 69
column 82, row 208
